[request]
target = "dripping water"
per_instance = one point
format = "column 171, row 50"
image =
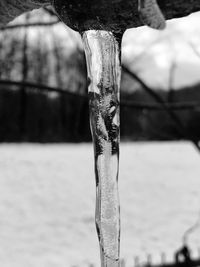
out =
column 102, row 51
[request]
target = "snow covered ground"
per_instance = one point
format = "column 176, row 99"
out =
column 47, row 196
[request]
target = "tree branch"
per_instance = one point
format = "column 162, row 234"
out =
column 27, row 25
column 180, row 127
column 10, row 9
column 114, row 15
column 40, row 87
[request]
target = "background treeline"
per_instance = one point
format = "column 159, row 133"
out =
column 36, row 57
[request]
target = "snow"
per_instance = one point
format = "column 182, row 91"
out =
column 47, row 196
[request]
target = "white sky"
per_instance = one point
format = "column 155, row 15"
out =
column 151, row 53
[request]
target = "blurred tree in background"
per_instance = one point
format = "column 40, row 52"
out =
column 38, row 55
column 43, row 90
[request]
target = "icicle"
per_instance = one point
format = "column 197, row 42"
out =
column 104, row 72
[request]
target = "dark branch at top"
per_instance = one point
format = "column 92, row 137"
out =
column 115, row 15
column 80, row 15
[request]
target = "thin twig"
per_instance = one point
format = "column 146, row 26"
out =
column 50, row 10
column 157, row 107
column 124, row 102
column 24, row 25
column 177, row 122
column 40, row 87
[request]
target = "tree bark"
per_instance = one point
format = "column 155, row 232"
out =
column 115, row 15
column 81, row 15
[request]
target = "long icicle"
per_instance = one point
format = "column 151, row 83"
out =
column 104, row 73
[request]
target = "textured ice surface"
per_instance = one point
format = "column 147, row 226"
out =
column 104, row 73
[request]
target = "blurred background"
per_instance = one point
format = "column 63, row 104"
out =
column 43, row 96
column 47, row 185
